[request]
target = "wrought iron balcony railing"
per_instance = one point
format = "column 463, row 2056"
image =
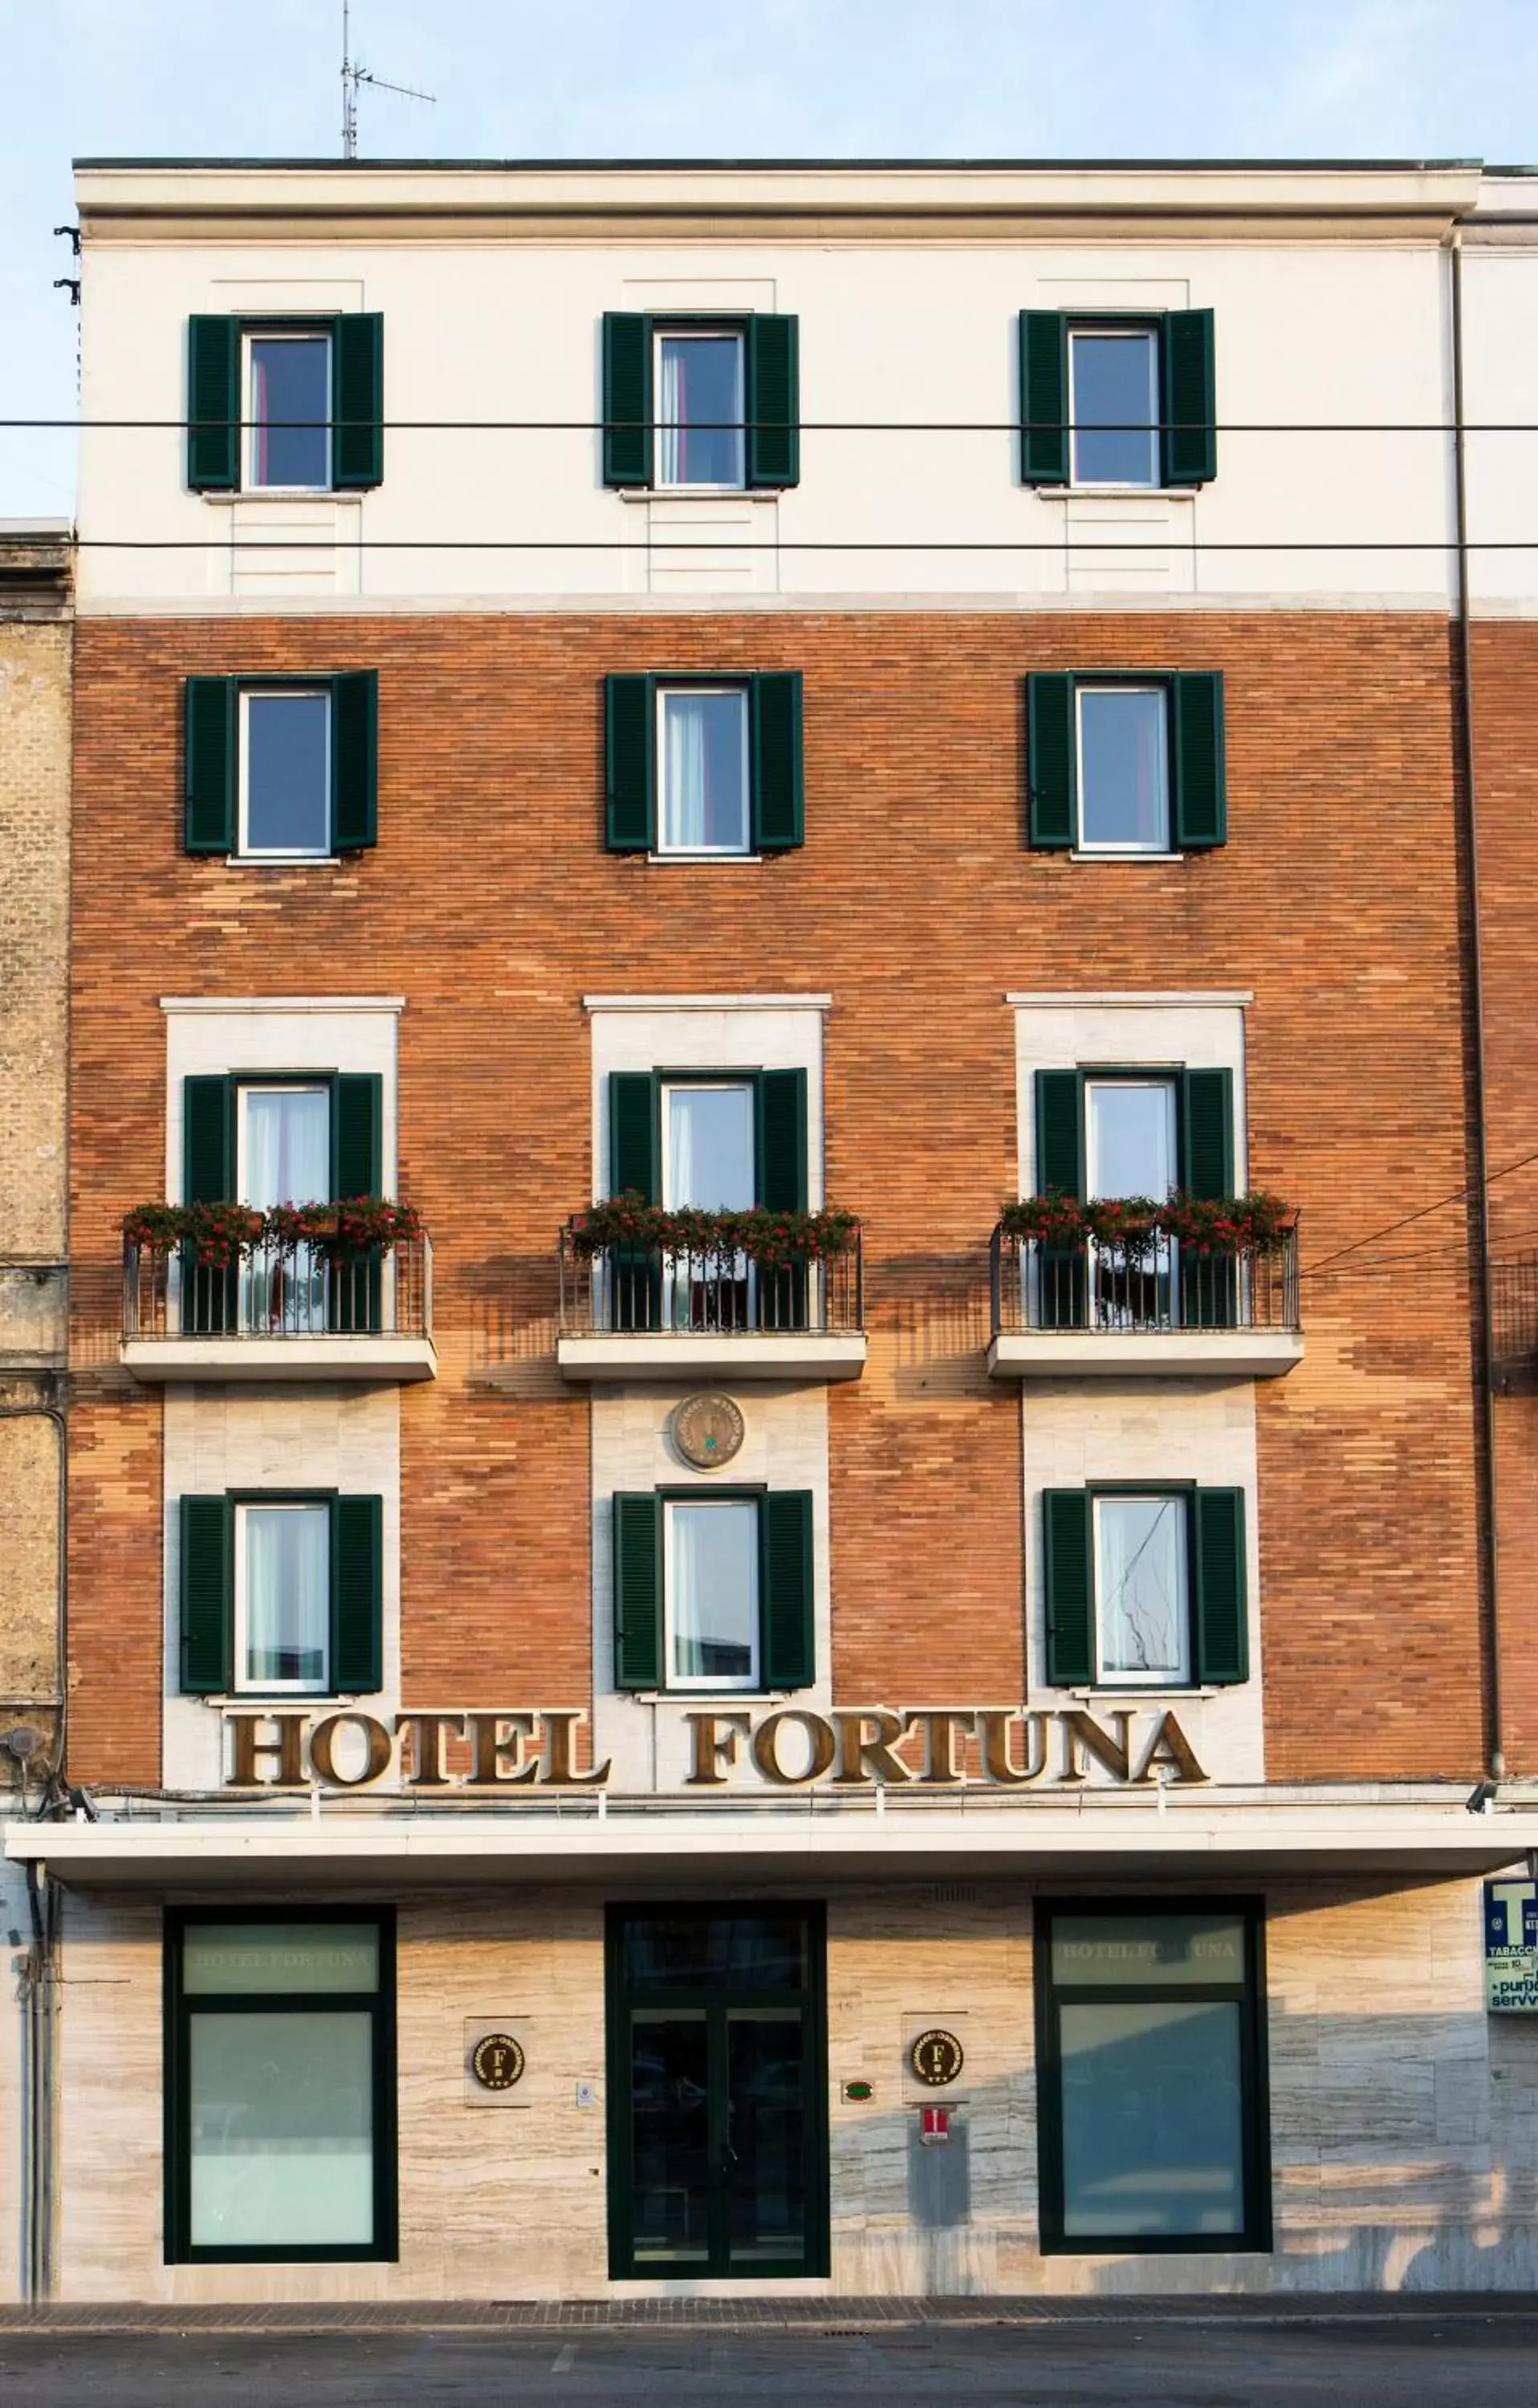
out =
column 278, row 1291
column 1513, row 1313
column 646, row 1292
column 1172, row 1287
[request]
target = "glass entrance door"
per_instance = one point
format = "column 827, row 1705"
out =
column 717, row 2092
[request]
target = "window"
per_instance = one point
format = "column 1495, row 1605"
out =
column 709, row 1156
column 1125, row 764
column 296, row 407
column 281, row 769
column 711, row 1591
column 707, row 405
column 714, row 1591
column 279, row 2085
column 704, row 787
column 1151, row 2081
column 1111, row 1133
column 305, row 1140
column 1132, row 1135
column 1113, row 405
column 285, row 771
column 281, row 1593
column 1144, row 1587
column 700, row 406
column 1124, row 771
column 701, row 766
column 288, row 411
column 1113, row 402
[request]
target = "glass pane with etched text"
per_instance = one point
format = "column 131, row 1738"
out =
column 282, row 2111
column 1142, row 1595
column 1152, row 2117
column 1124, row 778
column 225, row 1958
column 285, row 772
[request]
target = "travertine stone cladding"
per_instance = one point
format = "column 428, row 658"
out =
column 491, row 904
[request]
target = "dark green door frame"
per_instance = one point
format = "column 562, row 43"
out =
column 715, row 2004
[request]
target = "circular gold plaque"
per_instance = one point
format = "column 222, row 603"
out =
column 497, row 2061
column 707, row 1430
column 936, row 2058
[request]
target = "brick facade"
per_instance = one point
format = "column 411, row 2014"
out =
column 490, row 905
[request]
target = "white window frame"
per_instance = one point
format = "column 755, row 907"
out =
column 1084, row 843
column 1166, row 1262
column 244, row 1087
column 744, row 852
column 251, row 336
column 1119, row 1677
column 672, row 1281
column 1154, row 483
column 244, row 1685
column 246, row 850
column 712, row 1682
column 695, row 333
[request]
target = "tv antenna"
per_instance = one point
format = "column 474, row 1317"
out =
column 353, row 74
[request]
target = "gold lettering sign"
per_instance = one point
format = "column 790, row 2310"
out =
column 542, row 1747
column 497, row 2061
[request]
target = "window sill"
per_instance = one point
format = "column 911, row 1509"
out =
column 279, row 1700
column 733, row 860
column 282, row 861
column 286, row 495
column 1151, row 1689
column 1116, row 493
column 710, row 1701
column 1123, row 853
column 698, row 492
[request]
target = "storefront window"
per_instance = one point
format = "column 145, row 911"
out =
column 1153, row 2095
column 280, row 2078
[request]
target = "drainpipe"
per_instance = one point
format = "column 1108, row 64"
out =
column 1485, row 1468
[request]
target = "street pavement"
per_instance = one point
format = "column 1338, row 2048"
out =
column 1409, row 2361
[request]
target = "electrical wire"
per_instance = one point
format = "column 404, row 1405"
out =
column 1457, row 1194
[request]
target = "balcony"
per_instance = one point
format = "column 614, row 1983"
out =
column 1514, row 1325
column 634, row 1311
column 1091, row 1310
column 279, row 1311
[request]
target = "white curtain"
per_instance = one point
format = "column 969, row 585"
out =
column 672, row 409
column 710, row 1147
column 287, row 1145
column 684, row 764
column 288, row 1585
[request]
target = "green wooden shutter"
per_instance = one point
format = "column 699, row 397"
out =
column 354, row 760
column 208, row 1140
column 638, row 1591
column 1206, row 1117
column 1188, row 403
column 1051, row 774
column 1200, row 795
column 1043, row 396
column 357, row 1594
column 774, row 410
column 788, row 1638
column 782, row 1140
column 213, row 404
column 626, row 398
column 207, row 1574
column 357, row 1135
column 357, row 406
column 634, row 1134
column 1062, row 1287
column 780, row 1108
column 775, row 702
column 1222, row 1623
column 629, row 720
column 211, row 718
column 1068, row 1578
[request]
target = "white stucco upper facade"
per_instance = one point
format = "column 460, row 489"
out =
column 1330, row 288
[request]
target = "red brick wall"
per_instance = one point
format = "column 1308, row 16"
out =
column 490, row 905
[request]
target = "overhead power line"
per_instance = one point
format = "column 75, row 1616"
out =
column 811, row 425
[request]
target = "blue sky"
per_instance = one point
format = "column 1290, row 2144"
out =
column 1262, row 79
